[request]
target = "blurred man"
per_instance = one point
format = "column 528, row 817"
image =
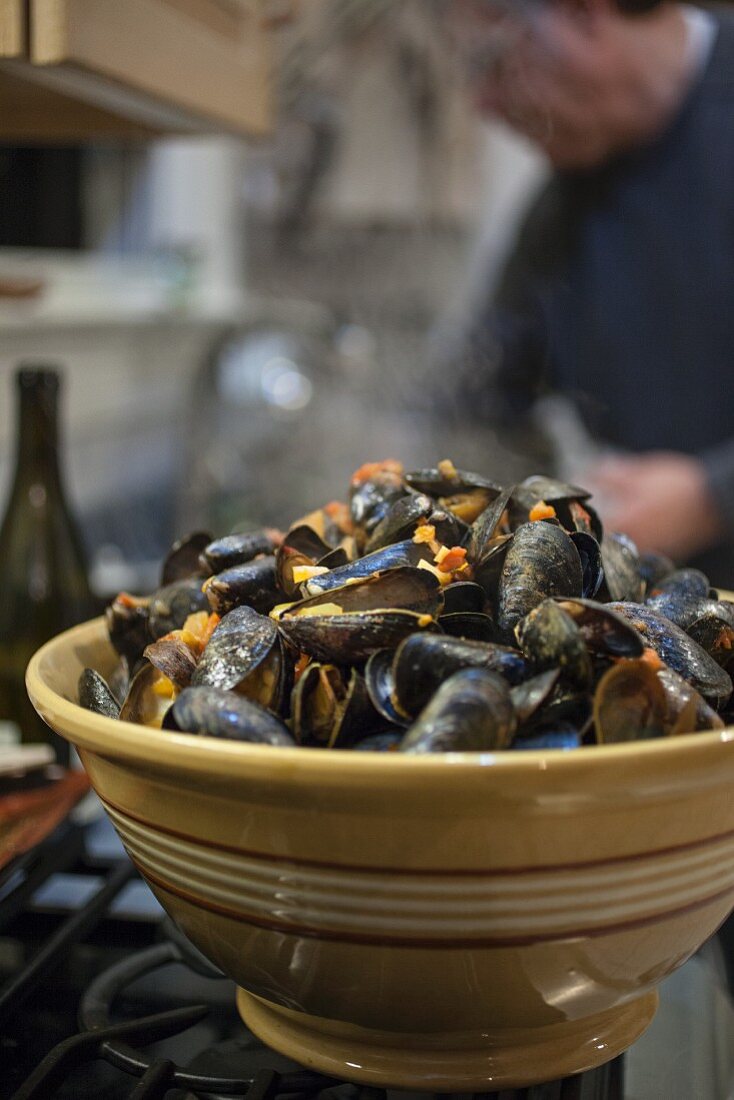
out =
column 620, row 292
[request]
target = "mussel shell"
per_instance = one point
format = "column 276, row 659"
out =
column 381, row 686
column 436, row 484
column 471, row 712
column 488, row 573
column 550, row 489
column 401, row 521
column 422, row 662
column 687, row 710
column 183, row 558
column 127, row 626
column 576, row 516
column 371, row 500
column 713, row 631
column 463, row 596
column 531, row 695
column 629, row 704
column 621, row 562
column 174, row 659
column 468, row 505
column 301, row 546
column 654, row 567
column 406, row 553
column 353, row 636
column 592, row 569
column 95, row 694
column 384, row 741
column 550, row 639
column 206, row 710
column 469, row 624
column 143, row 704
column 485, row 528
column 171, row 606
column 331, row 707
column 336, row 558
column 255, row 583
column 679, row 594
column 679, row 652
column 404, row 588
column 243, row 642
column 603, row 630
column 541, row 561
column 231, row 550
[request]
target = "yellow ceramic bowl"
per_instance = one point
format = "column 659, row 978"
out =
column 459, row 922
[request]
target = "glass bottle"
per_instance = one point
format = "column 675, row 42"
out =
column 43, row 576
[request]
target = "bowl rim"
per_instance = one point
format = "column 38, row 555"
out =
column 190, row 752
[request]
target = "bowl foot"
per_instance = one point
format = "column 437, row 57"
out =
column 459, row 1062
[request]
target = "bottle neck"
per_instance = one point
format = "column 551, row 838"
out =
column 37, row 449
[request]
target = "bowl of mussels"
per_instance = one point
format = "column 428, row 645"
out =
column 440, row 777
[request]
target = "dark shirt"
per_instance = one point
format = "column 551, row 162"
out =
column 620, row 293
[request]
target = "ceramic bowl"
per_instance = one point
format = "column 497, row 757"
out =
column 455, row 923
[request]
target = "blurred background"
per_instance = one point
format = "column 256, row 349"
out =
column 247, row 264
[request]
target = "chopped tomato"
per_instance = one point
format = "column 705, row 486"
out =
column 541, row 510
column 453, row 559
column 651, row 658
column 370, row 470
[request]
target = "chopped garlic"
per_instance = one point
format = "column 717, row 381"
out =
column 443, row 578
column 443, row 553
column 426, row 532
column 447, row 469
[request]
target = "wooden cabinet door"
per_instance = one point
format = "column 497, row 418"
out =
column 206, row 58
column 12, row 28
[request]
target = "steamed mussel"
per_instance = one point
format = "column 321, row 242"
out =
column 433, row 611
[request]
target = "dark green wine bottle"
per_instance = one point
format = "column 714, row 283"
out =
column 43, row 576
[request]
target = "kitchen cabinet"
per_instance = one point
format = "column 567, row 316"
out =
column 76, row 69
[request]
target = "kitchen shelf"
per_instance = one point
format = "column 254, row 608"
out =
column 90, row 69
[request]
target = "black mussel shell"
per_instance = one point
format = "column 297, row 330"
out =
column 385, row 741
column 713, row 629
column 404, row 588
column 127, row 625
column 533, row 694
column 437, row 483
column 315, row 702
column 629, row 704
column 562, row 736
column 463, row 596
column 401, row 521
column 381, row 686
column 243, row 654
column 654, row 568
column 603, row 630
column 95, row 694
column 592, row 569
column 255, row 583
column 679, row 652
column 469, row 624
column 301, row 546
column 471, row 712
column 488, row 573
column 622, row 577
column 541, row 561
column 231, row 550
column 353, row 636
column 226, row 714
column 550, row 639
column 485, row 528
column 371, row 500
column 144, row 703
column 423, row 662
column 687, row 710
column 678, row 595
column 183, row 558
column 171, row 606
column 406, row 553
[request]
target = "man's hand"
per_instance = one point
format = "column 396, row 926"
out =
column 661, row 500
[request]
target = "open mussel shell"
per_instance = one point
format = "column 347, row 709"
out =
column 679, row 652
column 399, row 554
column 183, row 558
column 463, row 596
column 563, row 736
column 226, row 714
column 424, row 661
column 603, row 630
column 629, row 704
column 370, row 500
column 529, row 697
column 127, row 626
column 301, row 546
column 401, row 521
column 403, row 588
column 592, row 570
column 171, row 606
column 331, row 707
column 471, row 712
column 654, row 567
column 550, row 639
column 353, row 636
column 254, row 583
column 556, row 493
column 174, row 659
column 687, row 710
column 231, row 550
column 245, row 654
column 469, row 624
column 380, row 685
column 486, row 526
column 96, row 695
column 713, row 629
column 435, row 482
column 148, row 698
column 621, row 562
column 541, row 561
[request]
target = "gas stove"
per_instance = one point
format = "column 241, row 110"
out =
column 101, row 996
